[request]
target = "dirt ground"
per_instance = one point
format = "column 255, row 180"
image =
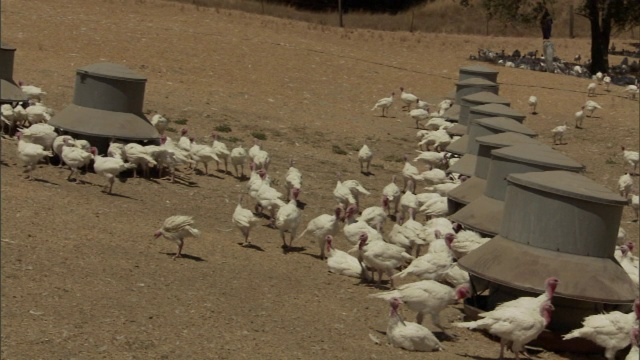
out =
column 82, row 276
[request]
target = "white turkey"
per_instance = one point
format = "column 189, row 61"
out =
column 254, row 150
column 109, row 167
column 466, row 241
column 32, row 92
column 409, row 172
column 355, row 187
column 408, row 200
column 599, row 77
column 630, row 158
column 435, row 176
column 384, row 104
column 323, row 225
column 238, row 157
column 427, row 297
column 607, row 82
column 438, row 123
column 204, row 154
column 513, row 325
column 409, row 335
column 591, row 89
column 558, row 133
column 262, row 159
column 634, row 337
column 38, row 114
column 58, row 144
column 392, row 192
column 419, row 115
column 422, row 104
column 116, row 150
column 382, row 257
column 136, row 154
column 365, row 155
column 376, row 216
column 631, row 266
column 30, row 154
column 75, row 158
column 341, row 263
column 343, row 194
column 430, row 266
column 353, row 229
column 184, row 143
column 293, row 180
column 160, row 123
column 579, row 117
column 176, row 229
column 288, row 219
column 632, row 91
column 634, row 202
column 432, row 159
column 266, row 196
column 407, row 98
column 41, row 134
column 455, row 276
column 434, row 208
column 8, row 119
column 245, row 220
column 443, row 189
column 625, row 183
column 533, row 303
column 437, row 140
column 533, row 103
column 610, row 330
column 221, row 150
column 590, row 106
column 177, row 156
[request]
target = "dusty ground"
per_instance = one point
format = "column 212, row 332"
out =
column 82, row 276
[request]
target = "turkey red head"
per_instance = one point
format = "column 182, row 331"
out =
column 551, row 284
column 163, row 139
column 262, row 173
column 630, row 245
column 157, row 234
column 363, row 240
column 338, row 212
column 401, row 88
column 329, row 240
column 192, row 139
column 93, row 150
column 463, row 178
column 462, row 292
column 457, row 227
column 214, row 135
column 636, row 308
column 395, row 304
column 295, row 192
column 545, row 310
column 449, row 238
column 351, row 210
column 624, row 249
column 635, row 336
column 184, row 131
column 385, row 202
column 18, row 135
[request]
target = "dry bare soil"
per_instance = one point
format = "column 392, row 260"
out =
column 82, row 276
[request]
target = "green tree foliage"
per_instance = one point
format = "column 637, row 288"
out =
column 605, row 16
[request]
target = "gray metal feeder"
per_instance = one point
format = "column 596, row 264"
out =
column 478, row 71
column 459, row 147
column 474, row 187
column 107, row 103
column 468, row 87
column 556, row 223
column 485, row 213
column 470, row 101
column 9, row 91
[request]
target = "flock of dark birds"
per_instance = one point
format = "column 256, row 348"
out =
column 623, row 74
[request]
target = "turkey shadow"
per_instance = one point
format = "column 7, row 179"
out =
column 475, row 357
column 367, row 173
column 301, row 204
column 201, row 173
column 250, row 246
column 45, row 181
column 185, row 256
column 3, row 163
column 242, row 178
column 315, row 256
column 120, row 196
column 292, row 249
column 225, row 172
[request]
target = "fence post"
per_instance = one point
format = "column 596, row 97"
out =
column 571, row 36
column 411, row 25
column 340, row 13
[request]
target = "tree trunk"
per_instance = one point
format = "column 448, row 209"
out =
column 600, row 36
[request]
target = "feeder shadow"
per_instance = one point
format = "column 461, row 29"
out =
column 185, row 256
column 250, row 246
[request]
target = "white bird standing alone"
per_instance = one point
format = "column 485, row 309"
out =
column 558, row 133
column 579, row 117
column 364, row 156
column 407, row 98
column 177, row 228
column 533, row 103
column 384, row 104
column 244, row 220
column 591, row 89
column 590, row 106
